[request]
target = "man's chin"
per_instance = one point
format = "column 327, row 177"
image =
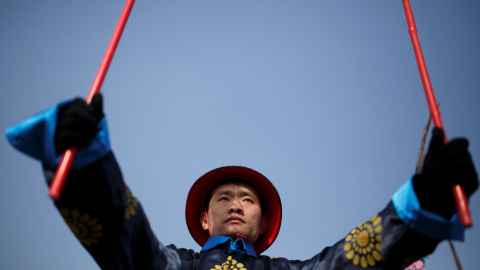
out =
column 235, row 234
column 234, row 230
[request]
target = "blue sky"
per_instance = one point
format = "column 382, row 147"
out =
column 322, row 97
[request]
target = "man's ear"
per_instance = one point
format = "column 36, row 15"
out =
column 204, row 220
column 264, row 225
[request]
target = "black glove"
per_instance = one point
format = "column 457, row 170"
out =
column 444, row 166
column 77, row 123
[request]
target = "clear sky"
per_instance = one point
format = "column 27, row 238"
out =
column 322, row 97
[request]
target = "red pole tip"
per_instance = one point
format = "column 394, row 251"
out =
column 60, row 177
column 462, row 206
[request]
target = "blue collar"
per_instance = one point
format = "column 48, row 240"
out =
column 227, row 244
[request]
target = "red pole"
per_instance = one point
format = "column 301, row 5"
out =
column 458, row 191
column 63, row 169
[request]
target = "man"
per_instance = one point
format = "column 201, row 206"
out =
column 236, row 202
column 234, row 213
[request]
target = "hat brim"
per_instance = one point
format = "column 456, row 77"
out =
column 198, row 192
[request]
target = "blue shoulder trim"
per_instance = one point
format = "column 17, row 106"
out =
column 428, row 223
column 34, row 136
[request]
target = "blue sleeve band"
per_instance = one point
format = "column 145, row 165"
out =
column 428, row 223
column 34, row 136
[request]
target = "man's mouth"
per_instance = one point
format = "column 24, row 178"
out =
column 234, row 219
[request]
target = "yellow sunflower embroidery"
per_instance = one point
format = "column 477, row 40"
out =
column 86, row 229
column 130, row 204
column 230, row 264
column 362, row 244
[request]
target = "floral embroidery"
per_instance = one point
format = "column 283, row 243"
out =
column 362, row 244
column 230, row 264
column 131, row 203
column 86, row 229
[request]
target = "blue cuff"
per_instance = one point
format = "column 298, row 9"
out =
column 428, row 223
column 34, row 136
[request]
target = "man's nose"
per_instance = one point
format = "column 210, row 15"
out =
column 236, row 207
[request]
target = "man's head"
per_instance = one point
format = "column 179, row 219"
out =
column 234, row 200
column 235, row 208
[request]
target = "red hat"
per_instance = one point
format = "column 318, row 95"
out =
column 200, row 189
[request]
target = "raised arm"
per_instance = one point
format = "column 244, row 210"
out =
column 421, row 214
column 96, row 204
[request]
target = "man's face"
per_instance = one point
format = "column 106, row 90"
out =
column 234, row 208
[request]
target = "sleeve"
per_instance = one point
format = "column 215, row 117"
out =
column 382, row 242
column 109, row 221
column 399, row 235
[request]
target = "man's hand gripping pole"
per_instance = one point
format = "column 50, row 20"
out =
column 458, row 191
column 63, row 168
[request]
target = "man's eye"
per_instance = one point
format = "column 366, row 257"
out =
column 223, row 199
column 248, row 200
